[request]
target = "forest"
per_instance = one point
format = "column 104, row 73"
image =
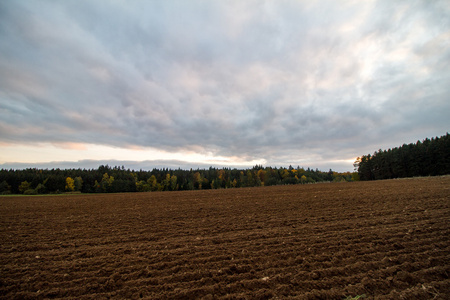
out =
column 426, row 158
column 430, row 157
column 116, row 179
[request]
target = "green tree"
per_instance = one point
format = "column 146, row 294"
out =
column 5, row 188
column 233, row 183
column 55, row 182
column 142, row 186
column 198, row 180
column 303, row 179
column 24, row 185
column 78, row 183
column 97, row 187
column 250, row 178
column 261, row 175
column 40, row 189
column 355, row 176
column 166, row 183
column 173, row 183
column 106, row 182
column 153, row 183
column 284, row 173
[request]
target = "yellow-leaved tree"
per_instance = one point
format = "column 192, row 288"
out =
column 70, row 184
column 107, row 182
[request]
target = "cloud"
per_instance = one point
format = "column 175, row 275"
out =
column 280, row 82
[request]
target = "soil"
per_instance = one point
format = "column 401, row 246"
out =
column 382, row 239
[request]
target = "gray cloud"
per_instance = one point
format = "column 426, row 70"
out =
column 281, row 81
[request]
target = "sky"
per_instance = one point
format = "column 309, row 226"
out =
column 195, row 83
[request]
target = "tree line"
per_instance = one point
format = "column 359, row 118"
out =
column 116, row 179
column 431, row 157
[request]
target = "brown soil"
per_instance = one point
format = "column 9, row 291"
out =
column 384, row 239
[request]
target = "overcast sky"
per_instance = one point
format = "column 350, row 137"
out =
column 223, row 83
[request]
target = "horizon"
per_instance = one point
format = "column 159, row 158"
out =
column 148, row 166
column 223, row 84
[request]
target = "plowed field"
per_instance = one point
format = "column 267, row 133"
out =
column 384, row 239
